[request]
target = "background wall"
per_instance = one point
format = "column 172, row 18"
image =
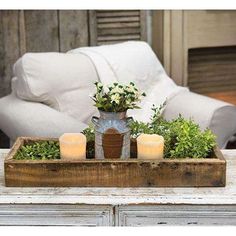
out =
column 198, row 49
column 37, row 31
column 59, row 31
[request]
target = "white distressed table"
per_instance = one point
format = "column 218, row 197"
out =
column 120, row 206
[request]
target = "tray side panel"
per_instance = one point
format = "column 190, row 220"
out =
column 116, row 174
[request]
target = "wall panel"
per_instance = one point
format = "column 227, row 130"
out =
column 41, row 31
column 73, row 29
column 9, row 47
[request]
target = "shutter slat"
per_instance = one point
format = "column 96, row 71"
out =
column 214, row 83
column 123, row 31
column 119, row 25
column 206, row 90
column 101, row 14
column 211, row 76
column 118, row 19
column 119, row 37
column 110, row 42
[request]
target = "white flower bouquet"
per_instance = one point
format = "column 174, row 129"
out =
column 117, row 97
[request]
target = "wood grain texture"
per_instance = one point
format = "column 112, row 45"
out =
column 143, row 25
column 9, row 48
column 93, row 28
column 22, row 38
column 73, row 29
column 42, row 31
column 158, row 33
column 114, row 173
column 177, row 46
column 24, row 31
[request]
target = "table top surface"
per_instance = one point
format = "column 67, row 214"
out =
column 118, row 196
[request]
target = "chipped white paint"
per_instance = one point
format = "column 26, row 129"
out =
column 79, row 215
column 150, row 215
column 123, row 196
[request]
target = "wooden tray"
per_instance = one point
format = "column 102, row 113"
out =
column 205, row 172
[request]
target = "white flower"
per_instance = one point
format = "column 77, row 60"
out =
column 115, row 98
column 106, row 89
column 128, row 102
column 138, row 94
column 116, row 95
column 97, row 96
column 117, row 90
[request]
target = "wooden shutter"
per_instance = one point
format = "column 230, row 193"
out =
column 212, row 71
column 114, row 26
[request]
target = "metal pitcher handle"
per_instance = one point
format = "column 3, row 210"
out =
column 95, row 120
column 129, row 119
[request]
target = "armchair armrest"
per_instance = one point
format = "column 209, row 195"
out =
column 23, row 118
column 219, row 116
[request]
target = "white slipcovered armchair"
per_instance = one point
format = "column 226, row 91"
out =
column 50, row 96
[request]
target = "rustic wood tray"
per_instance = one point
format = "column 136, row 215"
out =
column 205, row 172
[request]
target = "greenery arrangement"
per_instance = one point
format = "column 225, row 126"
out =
column 42, row 150
column 183, row 138
column 116, row 97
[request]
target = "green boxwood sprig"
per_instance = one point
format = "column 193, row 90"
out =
column 41, row 150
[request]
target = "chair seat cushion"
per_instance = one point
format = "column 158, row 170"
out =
column 62, row 81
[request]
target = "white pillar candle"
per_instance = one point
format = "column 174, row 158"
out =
column 150, row 146
column 73, row 146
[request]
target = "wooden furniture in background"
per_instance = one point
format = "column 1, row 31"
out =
column 120, row 206
column 197, row 49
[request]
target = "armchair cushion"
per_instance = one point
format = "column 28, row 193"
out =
column 62, row 81
column 219, row 116
column 23, row 118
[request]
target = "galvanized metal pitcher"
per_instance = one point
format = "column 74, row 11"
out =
column 112, row 135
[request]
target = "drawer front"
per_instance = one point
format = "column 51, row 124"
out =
column 79, row 215
column 149, row 215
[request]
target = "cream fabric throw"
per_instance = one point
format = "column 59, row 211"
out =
column 133, row 61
